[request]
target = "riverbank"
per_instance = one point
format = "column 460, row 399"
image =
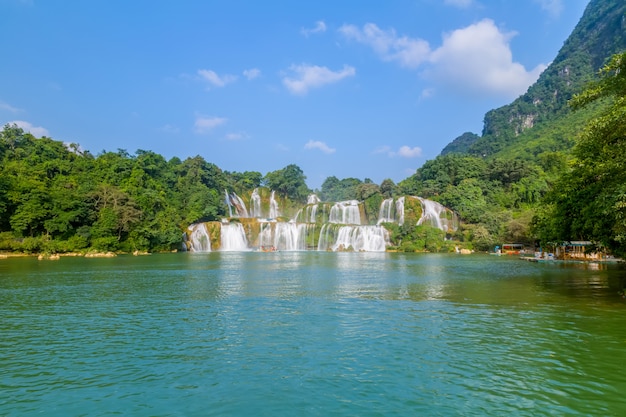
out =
column 57, row 256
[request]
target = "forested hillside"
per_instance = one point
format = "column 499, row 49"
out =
column 55, row 197
column 600, row 33
column 498, row 180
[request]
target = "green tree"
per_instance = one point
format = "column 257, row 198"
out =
column 289, row 182
column 589, row 202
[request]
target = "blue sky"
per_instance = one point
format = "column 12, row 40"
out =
column 352, row 88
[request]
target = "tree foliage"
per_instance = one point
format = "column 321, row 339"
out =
column 589, row 201
column 56, row 197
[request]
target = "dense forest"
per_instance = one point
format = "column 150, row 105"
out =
column 547, row 168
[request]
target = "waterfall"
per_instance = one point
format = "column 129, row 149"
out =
column 255, row 204
column 322, row 226
column 385, row 215
column 400, row 210
column 313, row 199
column 432, row 214
column 353, row 238
column 233, row 200
column 311, row 213
column 273, row 207
column 345, row 212
column 285, row 236
column 229, row 204
column 198, row 238
column 306, row 214
column 233, row 238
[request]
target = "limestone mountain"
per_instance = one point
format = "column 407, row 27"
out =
column 540, row 120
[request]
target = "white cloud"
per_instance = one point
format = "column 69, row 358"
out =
column 404, row 151
column 9, row 108
column 36, row 131
column 236, row 136
column 316, row 144
column 478, row 60
column 252, row 73
column 553, row 7
column 206, row 124
column 473, row 60
column 216, row 80
column 408, row 52
column 427, row 93
column 408, row 152
column 320, row 27
column 310, row 76
column 462, row 4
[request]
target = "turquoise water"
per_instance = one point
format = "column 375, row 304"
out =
column 310, row 334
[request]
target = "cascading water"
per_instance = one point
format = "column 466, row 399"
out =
column 255, row 204
column 400, row 210
column 233, row 200
column 233, row 238
column 432, row 214
column 311, row 213
column 390, row 212
column 345, row 212
column 353, row 238
column 198, row 239
column 285, row 236
column 385, row 215
column 322, row 226
column 313, row 199
column 273, row 207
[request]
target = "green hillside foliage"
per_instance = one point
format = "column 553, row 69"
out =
column 589, row 201
column 497, row 181
column 57, row 198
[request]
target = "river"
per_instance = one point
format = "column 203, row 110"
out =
column 310, row 334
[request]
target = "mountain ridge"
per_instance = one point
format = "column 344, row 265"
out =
column 599, row 34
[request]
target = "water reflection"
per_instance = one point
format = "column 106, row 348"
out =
column 420, row 277
column 311, row 333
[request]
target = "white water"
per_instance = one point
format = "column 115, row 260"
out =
column 285, row 236
column 255, row 204
column 342, row 232
column 355, row 238
column 198, row 238
column 233, row 200
column 345, row 212
column 390, row 212
column 400, row 210
column 274, row 213
column 385, row 215
column 431, row 214
column 233, row 238
column 311, row 213
column 313, row 199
